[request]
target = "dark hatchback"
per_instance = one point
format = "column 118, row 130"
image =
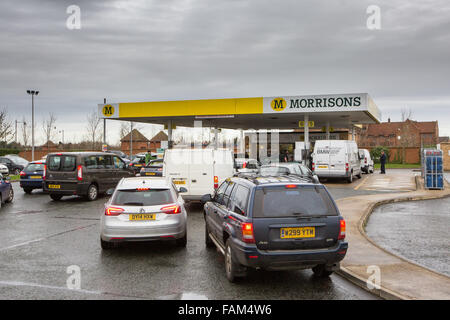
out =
column 154, row 168
column 275, row 223
column 85, row 174
column 31, row 177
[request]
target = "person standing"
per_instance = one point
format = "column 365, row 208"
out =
column 383, row 162
column 148, row 157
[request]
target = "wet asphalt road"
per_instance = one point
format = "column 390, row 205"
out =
column 416, row 230
column 40, row 238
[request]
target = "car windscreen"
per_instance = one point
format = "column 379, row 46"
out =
column 61, row 163
column 282, row 201
column 35, row 167
column 151, row 197
column 274, row 171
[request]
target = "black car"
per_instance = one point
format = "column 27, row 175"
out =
column 14, row 163
column 6, row 190
column 84, row 174
column 275, row 223
column 136, row 164
column 31, row 177
column 154, row 168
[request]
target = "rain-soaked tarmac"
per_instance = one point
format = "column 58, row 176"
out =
column 415, row 230
column 41, row 238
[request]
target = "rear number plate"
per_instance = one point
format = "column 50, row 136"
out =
column 35, row 177
column 296, row 233
column 150, row 173
column 179, row 181
column 54, row 186
column 142, row 216
column 322, row 167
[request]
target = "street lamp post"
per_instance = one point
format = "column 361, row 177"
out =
column 33, row 93
column 15, row 135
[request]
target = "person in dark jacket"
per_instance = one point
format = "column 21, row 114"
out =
column 383, row 162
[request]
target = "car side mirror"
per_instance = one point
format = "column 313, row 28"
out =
column 316, row 179
column 182, row 190
column 206, row 198
column 109, row 192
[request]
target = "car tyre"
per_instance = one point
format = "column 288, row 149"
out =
column 208, row 242
column 92, row 192
column 350, row 179
column 106, row 245
column 182, row 241
column 233, row 269
column 27, row 190
column 320, row 271
column 359, row 175
column 56, row 197
column 10, row 196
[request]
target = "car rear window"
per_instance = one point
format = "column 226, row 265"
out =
column 152, row 197
column 288, row 202
column 274, row 171
column 62, row 163
column 35, row 167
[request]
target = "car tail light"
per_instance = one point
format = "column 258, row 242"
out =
column 291, row 186
column 171, row 209
column 313, row 166
column 113, row 211
column 244, row 165
column 44, row 174
column 142, row 189
column 216, row 182
column 79, row 173
column 247, row 233
column 160, row 169
column 342, row 230
column 22, row 173
column 346, row 166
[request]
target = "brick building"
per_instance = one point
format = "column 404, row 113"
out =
column 404, row 139
column 141, row 143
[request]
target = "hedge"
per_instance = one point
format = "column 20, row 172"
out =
column 4, row 151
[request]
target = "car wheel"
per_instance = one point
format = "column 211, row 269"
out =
column 321, row 272
column 182, row 241
column 56, row 197
column 233, row 269
column 350, row 179
column 11, row 195
column 27, row 190
column 208, row 241
column 359, row 175
column 92, row 192
column 106, row 245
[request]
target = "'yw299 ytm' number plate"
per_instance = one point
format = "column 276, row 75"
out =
column 296, row 233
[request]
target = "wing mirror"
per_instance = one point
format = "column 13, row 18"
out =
column 206, row 198
column 182, row 190
column 110, row 192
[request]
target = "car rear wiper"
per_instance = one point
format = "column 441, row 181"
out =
column 133, row 204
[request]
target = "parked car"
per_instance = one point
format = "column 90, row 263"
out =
column 6, row 190
column 4, row 170
column 84, row 174
column 144, row 209
column 366, row 161
column 153, row 168
column 14, row 163
column 285, row 168
column 275, row 223
column 31, row 177
column 336, row 159
column 122, row 155
column 200, row 171
column 136, row 164
column 246, row 165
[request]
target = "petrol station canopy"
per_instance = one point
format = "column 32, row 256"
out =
column 282, row 112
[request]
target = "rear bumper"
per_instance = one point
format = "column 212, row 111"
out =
column 31, row 183
column 79, row 189
column 251, row 256
column 331, row 174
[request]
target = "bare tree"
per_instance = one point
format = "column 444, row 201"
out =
column 406, row 114
column 25, row 132
column 92, row 127
column 6, row 127
column 124, row 129
column 48, row 127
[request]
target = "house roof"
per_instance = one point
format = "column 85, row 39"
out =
column 160, row 136
column 392, row 128
column 137, row 137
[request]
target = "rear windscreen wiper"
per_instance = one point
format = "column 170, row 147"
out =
column 133, row 204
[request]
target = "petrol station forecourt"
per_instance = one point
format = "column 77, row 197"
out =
column 280, row 112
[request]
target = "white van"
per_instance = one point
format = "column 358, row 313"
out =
column 336, row 159
column 200, row 171
column 366, row 161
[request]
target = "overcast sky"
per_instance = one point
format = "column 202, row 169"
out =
column 195, row 49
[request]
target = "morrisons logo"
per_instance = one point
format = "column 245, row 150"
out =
column 278, row 104
column 325, row 102
column 108, row 110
